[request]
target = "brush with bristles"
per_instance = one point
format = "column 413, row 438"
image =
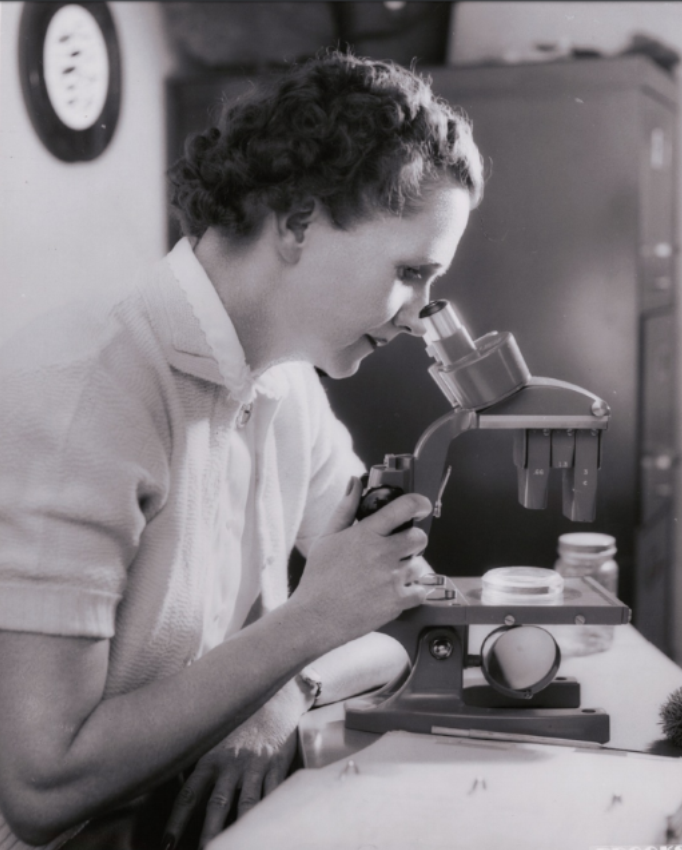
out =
column 671, row 717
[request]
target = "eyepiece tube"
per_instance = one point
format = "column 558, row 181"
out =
column 445, row 333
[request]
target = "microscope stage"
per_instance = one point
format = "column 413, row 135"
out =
column 584, row 601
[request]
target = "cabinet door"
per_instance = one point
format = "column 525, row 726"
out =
column 658, row 383
column 653, row 584
column 657, row 218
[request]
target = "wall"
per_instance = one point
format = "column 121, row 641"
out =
column 495, row 30
column 65, row 228
column 485, row 30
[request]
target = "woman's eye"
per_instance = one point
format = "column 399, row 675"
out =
column 411, row 273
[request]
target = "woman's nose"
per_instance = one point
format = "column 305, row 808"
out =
column 408, row 319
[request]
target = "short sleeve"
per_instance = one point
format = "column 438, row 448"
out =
column 84, row 466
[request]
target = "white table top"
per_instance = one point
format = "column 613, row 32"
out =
column 405, row 791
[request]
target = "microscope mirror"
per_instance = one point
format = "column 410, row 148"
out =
column 519, row 661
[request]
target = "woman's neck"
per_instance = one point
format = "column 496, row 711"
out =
column 246, row 280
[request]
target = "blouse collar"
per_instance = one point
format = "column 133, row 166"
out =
column 218, row 331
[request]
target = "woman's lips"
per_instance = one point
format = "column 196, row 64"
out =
column 376, row 341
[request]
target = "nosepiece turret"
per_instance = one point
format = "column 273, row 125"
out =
column 471, row 375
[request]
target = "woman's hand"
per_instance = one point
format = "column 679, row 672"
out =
column 248, row 764
column 361, row 575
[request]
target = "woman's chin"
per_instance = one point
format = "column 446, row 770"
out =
column 345, row 362
column 341, row 368
column 339, row 374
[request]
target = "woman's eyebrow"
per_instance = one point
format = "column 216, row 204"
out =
column 427, row 265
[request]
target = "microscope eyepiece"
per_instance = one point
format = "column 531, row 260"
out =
column 443, row 325
column 433, row 307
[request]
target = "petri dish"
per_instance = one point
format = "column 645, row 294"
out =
column 522, row 586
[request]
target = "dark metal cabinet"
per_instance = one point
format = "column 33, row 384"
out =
column 573, row 250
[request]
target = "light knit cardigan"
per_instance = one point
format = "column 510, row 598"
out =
column 113, row 435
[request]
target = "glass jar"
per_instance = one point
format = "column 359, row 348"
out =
column 587, row 554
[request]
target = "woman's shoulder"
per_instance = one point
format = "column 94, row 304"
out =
column 99, row 353
column 79, row 330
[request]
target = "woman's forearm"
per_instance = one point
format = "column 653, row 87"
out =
column 67, row 754
column 128, row 743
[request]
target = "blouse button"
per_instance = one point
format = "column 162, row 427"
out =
column 244, row 415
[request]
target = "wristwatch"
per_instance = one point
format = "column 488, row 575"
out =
column 312, row 681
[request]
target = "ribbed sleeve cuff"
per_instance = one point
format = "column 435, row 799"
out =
column 57, row 610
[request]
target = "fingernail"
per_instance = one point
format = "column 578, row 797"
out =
column 167, row 842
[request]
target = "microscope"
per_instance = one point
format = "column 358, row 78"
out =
column 556, row 425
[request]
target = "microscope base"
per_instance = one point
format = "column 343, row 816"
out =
column 439, row 711
column 563, row 692
column 432, row 694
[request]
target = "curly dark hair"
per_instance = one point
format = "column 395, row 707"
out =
column 359, row 136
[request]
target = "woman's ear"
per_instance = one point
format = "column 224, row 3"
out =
column 291, row 230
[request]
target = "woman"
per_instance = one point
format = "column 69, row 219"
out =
column 162, row 457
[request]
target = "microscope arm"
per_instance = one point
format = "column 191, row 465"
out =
column 557, row 425
column 428, row 463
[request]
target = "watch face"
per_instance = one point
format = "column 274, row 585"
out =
column 76, row 66
column 71, row 76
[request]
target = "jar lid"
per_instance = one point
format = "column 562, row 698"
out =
column 586, row 542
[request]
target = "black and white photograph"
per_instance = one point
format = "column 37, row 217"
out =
column 340, row 418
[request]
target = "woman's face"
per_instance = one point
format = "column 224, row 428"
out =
column 367, row 285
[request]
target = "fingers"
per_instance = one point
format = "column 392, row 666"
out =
column 407, row 544
column 412, row 571
column 279, row 768
column 424, row 566
column 188, row 800
column 251, row 793
column 344, row 515
column 274, row 777
column 251, row 788
column 396, row 513
column 413, row 594
column 218, row 807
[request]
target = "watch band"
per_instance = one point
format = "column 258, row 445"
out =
column 312, row 680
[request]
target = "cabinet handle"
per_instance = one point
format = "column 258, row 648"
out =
column 663, row 461
column 658, row 149
column 661, row 250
